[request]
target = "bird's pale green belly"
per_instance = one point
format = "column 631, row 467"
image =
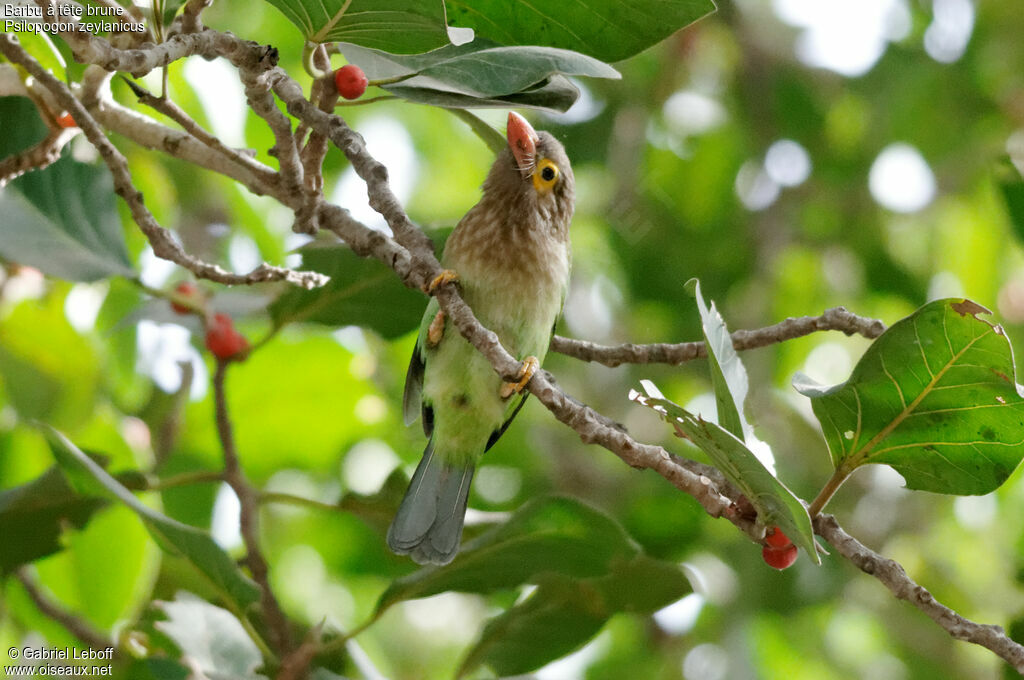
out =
column 461, row 384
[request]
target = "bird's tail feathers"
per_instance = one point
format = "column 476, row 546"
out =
column 428, row 524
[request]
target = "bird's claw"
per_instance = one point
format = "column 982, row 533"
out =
column 446, row 276
column 526, row 370
column 435, row 331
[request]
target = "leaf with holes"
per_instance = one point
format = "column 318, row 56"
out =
column 398, row 26
column 935, row 397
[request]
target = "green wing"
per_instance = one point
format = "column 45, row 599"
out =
column 412, row 398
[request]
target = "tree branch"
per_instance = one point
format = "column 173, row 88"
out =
column 895, row 578
column 162, row 241
column 835, row 319
column 77, row 627
column 249, row 501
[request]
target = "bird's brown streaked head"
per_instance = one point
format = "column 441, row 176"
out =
column 531, row 182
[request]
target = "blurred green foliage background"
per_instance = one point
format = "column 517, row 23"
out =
column 793, row 155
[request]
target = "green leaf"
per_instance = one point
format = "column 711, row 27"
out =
column 728, row 376
column 361, row 292
column 398, row 26
column 175, row 538
column 775, row 504
column 33, row 516
column 479, row 69
column 63, row 219
column 563, row 613
column 211, row 638
column 482, row 73
column 610, row 30
column 556, row 619
column 1012, row 186
column 935, row 397
column 555, row 94
column 549, row 535
column 51, row 372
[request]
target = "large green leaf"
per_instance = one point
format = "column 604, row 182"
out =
column 728, row 375
column 482, row 74
column 361, row 292
column 480, row 68
column 586, row 568
column 774, row 502
column 554, row 94
column 211, row 638
column 935, row 397
column 556, row 619
column 610, row 30
column 196, row 546
column 51, row 372
column 550, row 535
column 63, row 219
column 33, row 516
column 563, row 613
column 399, row 26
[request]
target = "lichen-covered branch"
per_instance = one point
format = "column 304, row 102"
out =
column 895, row 578
column 835, row 319
column 36, row 157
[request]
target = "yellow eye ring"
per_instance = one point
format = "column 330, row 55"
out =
column 545, row 175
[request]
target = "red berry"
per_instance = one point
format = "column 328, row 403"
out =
column 779, row 558
column 776, row 539
column 223, row 340
column 66, row 121
column 190, row 292
column 350, row 81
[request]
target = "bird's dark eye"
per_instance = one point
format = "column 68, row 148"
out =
column 547, row 174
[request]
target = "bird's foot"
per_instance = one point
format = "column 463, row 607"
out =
column 526, row 370
column 435, row 331
column 446, row 276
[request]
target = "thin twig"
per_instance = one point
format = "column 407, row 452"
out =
column 191, row 22
column 170, row 109
column 248, row 499
column 36, row 157
column 163, row 243
column 78, row 627
column 895, row 578
column 834, row 319
column 323, row 94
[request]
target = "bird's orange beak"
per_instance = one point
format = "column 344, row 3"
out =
column 522, row 140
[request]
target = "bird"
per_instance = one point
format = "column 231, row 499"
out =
column 510, row 256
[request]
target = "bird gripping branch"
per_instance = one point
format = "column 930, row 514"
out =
column 510, row 255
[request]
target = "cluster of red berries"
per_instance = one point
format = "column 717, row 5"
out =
column 222, row 338
column 350, row 81
column 778, row 552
